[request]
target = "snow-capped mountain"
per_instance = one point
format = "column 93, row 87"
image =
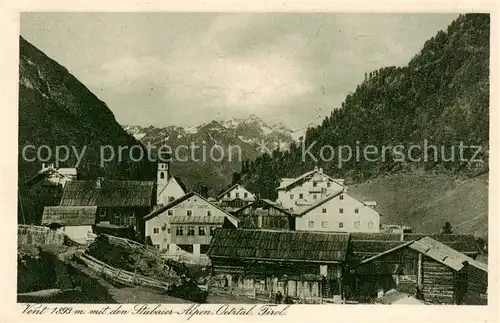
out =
column 253, row 135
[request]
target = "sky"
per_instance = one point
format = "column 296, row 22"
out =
column 188, row 68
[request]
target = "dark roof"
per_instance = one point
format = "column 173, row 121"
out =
column 183, row 198
column 69, row 215
column 112, row 193
column 279, row 245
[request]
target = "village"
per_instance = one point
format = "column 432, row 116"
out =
column 315, row 244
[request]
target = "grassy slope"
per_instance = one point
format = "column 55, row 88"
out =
column 426, row 202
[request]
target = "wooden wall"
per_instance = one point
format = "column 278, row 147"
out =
column 301, row 282
column 438, row 282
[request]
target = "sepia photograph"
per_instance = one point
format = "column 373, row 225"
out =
column 253, row 158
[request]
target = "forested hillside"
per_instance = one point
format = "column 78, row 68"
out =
column 441, row 96
column 56, row 109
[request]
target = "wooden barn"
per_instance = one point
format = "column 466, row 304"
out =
column 265, row 214
column 436, row 273
column 119, row 203
column 75, row 221
column 305, row 267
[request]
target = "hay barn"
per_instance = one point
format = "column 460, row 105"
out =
column 75, row 221
column 304, row 267
column 426, row 268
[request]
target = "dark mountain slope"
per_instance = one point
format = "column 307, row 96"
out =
column 56, row 109
column 441, row 97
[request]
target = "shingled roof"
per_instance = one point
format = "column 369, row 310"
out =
column 365, row 245
column 111, row 193
column 69, row 215
column 288, row 246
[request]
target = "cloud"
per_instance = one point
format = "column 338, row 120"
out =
column 172, row 68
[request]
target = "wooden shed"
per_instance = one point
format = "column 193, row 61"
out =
column 438, row 274
column 75, row 221
column 303, row 266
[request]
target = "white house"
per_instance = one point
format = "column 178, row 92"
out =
column 236, row 196
column 187, row 223
column 75, row 221
column 169, row 188
column 307, row 189
column 337, row 212
column 52, row 176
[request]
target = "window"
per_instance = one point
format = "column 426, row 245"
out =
column 341, row 225
column 156, row 230
column 228, row 195
column 190, row 231
column 165, row 239
column 212, row 229
column 328, row 184
column 237, row 195
column 311, row 224
column 245, row 195
column 168, row 230
column 170, row 212
column 157, row 246
column 341, row 210
column 356, row 210
column 291, row 196
column 315, row 184
column 357, row 224
column 171, row 199
column 162, row 175
column 370, row 225
column 324, row 224
column 314, row 196
column 341, row 197
column 323, row 210
column 179, row 231
column 201, row 231
column 189, row 212
column 301, row 196
column 209, row 213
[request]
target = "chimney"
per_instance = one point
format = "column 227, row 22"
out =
column 44, row 165
column 321, row 170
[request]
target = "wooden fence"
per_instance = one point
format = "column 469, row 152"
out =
column 32, row 234
column 122, row 276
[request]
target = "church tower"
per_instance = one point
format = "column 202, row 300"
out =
column 162, row 176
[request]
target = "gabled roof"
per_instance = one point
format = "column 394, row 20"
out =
column 278, row 245
column 183, row 198
column 304, row 176
column 319, row 203
column 69, row 215
column 221, row 195
column 111, row 193
column 45, row 172
column 174, row 179
column 435, row 250
column 445, row 255
column 267, row 202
